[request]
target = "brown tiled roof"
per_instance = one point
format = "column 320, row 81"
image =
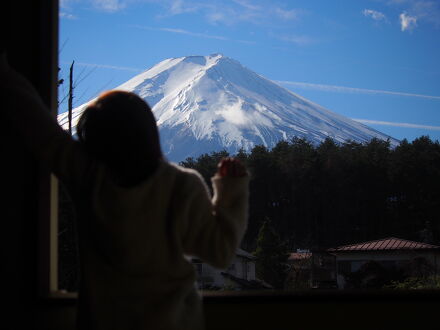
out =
column 390, row 243
column 300, row 255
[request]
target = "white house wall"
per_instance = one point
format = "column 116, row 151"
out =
column 240, row 267
column 357, row 259
column 251, row 271
column 434, row 258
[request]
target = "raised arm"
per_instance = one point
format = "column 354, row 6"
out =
column 215, row 227
column 39, row 130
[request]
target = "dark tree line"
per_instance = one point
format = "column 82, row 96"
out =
column 332, row 194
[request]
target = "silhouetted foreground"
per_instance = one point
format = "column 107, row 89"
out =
column 138, row 216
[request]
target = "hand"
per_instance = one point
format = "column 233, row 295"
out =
column 231, row 167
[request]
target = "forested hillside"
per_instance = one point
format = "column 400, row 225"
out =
column 328, row 195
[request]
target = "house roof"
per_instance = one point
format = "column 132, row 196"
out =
column 239, row 252
column 299, row 256
column 242, row 253
column 390, row 243
column 246, row 284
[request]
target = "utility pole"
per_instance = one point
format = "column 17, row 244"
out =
column 70, row 97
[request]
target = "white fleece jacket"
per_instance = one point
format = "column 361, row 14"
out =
column 133, row 241
column 135, row 264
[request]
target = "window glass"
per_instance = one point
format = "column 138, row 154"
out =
column 334, row 111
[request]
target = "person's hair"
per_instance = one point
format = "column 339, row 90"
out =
column 119, row 129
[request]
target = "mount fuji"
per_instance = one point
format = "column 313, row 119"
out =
column 210, row 103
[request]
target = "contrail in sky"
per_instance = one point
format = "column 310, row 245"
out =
column 390, row 123
column 106, row 66
column 343, row 89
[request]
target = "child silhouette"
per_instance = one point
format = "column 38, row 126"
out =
column 139, row 216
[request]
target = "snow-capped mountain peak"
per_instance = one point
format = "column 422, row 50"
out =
column 210, row 103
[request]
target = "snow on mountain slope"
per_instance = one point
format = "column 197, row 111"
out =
column 210, row 103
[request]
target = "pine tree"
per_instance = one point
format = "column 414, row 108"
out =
column 271, row 253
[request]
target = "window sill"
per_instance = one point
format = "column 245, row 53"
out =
column 342, row 296
column 268, row 296
column 62, row 295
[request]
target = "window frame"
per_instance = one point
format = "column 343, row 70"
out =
column 48, row 188
column 48, row 216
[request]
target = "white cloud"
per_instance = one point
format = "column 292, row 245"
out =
column 181, row 31
column 428, row 11
column 390, row 123
column 230, row 12
column 414, row 12
column 213, row 11
column 421, row 10
column 109, row 5
column 64, row 3
column 342, row 89
column 217, row 17
column 67, row 15
column 246, row 4
column 67, row 4
column 287, row 14
column 193, row 34
column 376, row 15
column 177, row 7
column 407, row 22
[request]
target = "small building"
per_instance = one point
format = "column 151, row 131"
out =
column 373, row 263
column 240, row 275
column 308, row 269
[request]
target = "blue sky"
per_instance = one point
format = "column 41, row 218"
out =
column 371, row 60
